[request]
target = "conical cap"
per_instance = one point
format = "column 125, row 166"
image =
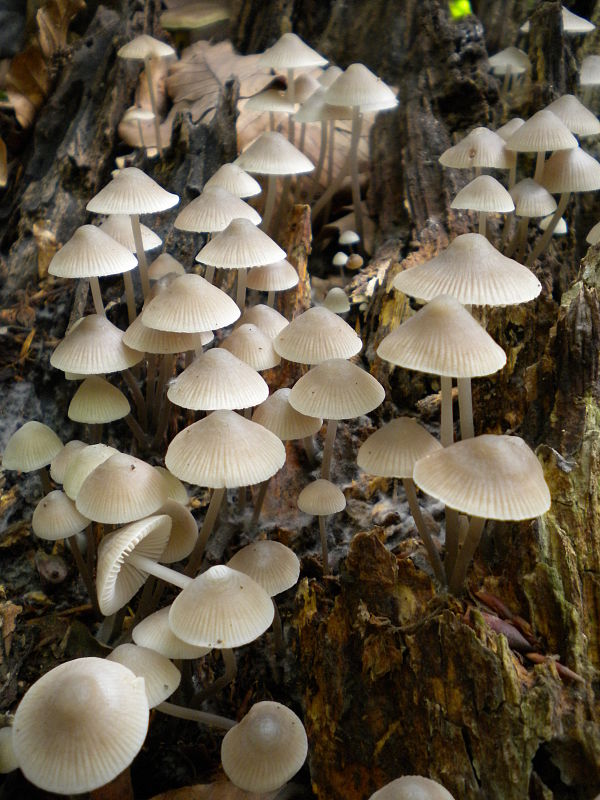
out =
column 506, row 131
column 264, row 317
column 190, row 304
column 480, row 148
column 252, row 346
column 531, row 199
column 85, row 461
column 240, row 245
column 97, row 401
column 578, row 119
column 163, row 265
column 270, row 100
column 543, row 131
column 236, row 180
column 31, row 447
column 511, row 59
column 131, row 191
column 151, row 340
column 272, row 154
column 336, row 389
column 484, row 193
column 358, row 86
column 161, row 677
column 412, row 787
column 55, row 517
column 589, row 72
column 184, row 532
column 91, row 252
column 154, row 632
column 571, row 171
column 60, row 462
column 278, row 416
column 271, row 564
column 315, row 336
column 275, row 277
column 213, row 210
column 321, row 498
column 145, row 46
column 94, row 346
column 336, row 300
column 393, row 450
column 175, row 487
column 290, row 52
column 317, row 109
column 118, row 227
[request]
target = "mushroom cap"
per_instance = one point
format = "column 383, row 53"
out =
column 176, row 489
column 151, row 340
column 252, row 346
column 560, row 228
column 317, row 109
column 91, row 252
column 511, row 59
column 304, row 87
column 184, row 532
column 60, row 462
column 531, row 199
column 474, row 272
column 575, row 115
column 94, row 346
column 161, row 677
column 412, row 787
column 213, row 210
column 80, row 725
column 506, row 131
column 348, row 237
column 543, row 131
column 480, row 148
column 31, row 447
column 270, row 100
column 131, row 191
column 276, row 277
column 163, row 265
column 8, row 758
column 393, row 450
column 336, row 389
column 571, row 23
column 589, row 72
column 239, row 246
column 493, row 477
column 291, row 52
column 83, row 462
column 236, row 180
column 358, row 86
column 315, row 336
column 272, row 154
column 484, row 193
column 154, row 632
column 321, row 498
column 278, row 416
column 118, row 227
column 337, row 301
column 339, row 259
column 145, row 46
column 443, row 339
column 225, row 450
column 190, row 304
column 593, row 236
column 329, row 75
column 55, row 517
column 271, row 564
column 267, row 748
column 221, row 608
column 97, row 401
column 571, row 171
column 264, row 317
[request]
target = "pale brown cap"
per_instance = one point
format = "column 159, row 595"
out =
column 506, row 131
column 358, row 86
column 91, row 253
column 151, row 340
column 97, row 401
column 337, row 301
column 175, row 487
column 272, row 154
column 578, row 119
column 271, row 564
column 94, row 346
column 571, row 171
column 321, row 498
column 184, row 532
column 239, row 246
column 290, row 52
column 131, row 191
column 213, row 210
column 484, row 193
column 145, row 46
column 85, row 461
column 531, row 199
column 236, row 180
column 118, row 227
column 163, row 265
column 190, row 304
column 55, row 517
column 264, row 317
column 252, row 346
column 480, row 148
column 277, row 415
column 270, row 100
column 412, row 787
column 305, row 86
column 31, row 447
column 317, row 335
column 393, row 450
column 61, row 461
column 543, row 131
column 493, row 477
column 154, row 632
column 511, row 59
column 276, row 277
column 161, row 677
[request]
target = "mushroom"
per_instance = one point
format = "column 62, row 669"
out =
column 31, row 448
column 321, row 499
column 412, row 787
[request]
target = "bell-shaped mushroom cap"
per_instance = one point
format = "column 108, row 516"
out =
column 593, row 236
column 225, row 450
column 412, row 787
column 506, row 131
column 131, row 191
column 277, row 415
column 213, row 210
column 572, row 23
column 264, row 317
column 560, row 228
column 55, row 517
column 60, row 462
column 215, row 380
column 253, row 346
column 317, row 109
column 118, row 227
column 116, row 579
column 163, row 265
column 272, row 154
column 315, row 336
column 190, row 304
column 336, row 389
column 150, row 340
column 175, row 487
column 304, row 87
column 8, row 758
column 290, row 52
column 270, row 100
column 31, row 447
column 511, row 59
column 94, row 346
column 121, row 489
column 154, row 632
column 91, row 252
column 97, row 401
column 221, row 608
column 575, row 115
column 276, row 277
column 589, row 72
column 266, row 749
column 493, row 477
column 84, row 461
column 543, row 131
column 348, row 237
column 271, row 564
column 239, row 246
column 571, row 171
column 321, row 498
column 337, row 301
column 480, row 148
column 484, row 193
column 161, row 677
column 236, row 180
column 443, row 339
column 80, row 725
column 184, row 532
column 358, row 86
column 393, row 450
column 531, row 199
column 474, row 272
column 339, row 259
column 145, row 46
column 329, row 75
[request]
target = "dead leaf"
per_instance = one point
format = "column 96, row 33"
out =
column 53, row 24
column 194, row 16
column 46, row 244
column 8, row 616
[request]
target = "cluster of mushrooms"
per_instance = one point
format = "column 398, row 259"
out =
column 126, row 522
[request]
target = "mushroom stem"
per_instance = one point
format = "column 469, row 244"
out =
column 241, row 288
column 415, row 510
column 466, row 553
column 138, row 397
column 328, row 449
column 539, row 167
column 159, row 570
column 85, row 574
column 129, row 296
column 134, row 427
column 151, row 369
column 519, row 238
column 309, row 448
column 277, row 630
column 271, row 298
column 506, row 81
column 209, row 521
column 260, row 499
column 148, row 70
column 97, row 296
column 512, row 173
column 482, row 223
column 194, row 715
column 140, row 253
column 465, row 407
column 291, row 91
column 269, row 203
column 447, row 425
column 141, row 134
column 324, row 551
column 543, row 241
column 45, row 479
column 356, row 126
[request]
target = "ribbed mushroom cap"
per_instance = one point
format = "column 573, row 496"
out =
column 474, row 272
column 8, row 758
column 560, row 228
column 221, row 608
column 150, row 340
column 494, row 477
column 480, row 148
column 94, row 346
column 329, row 75
column 264, row 317
column 393, row 450
column 118, row 227
column 589, row 72
column 270, row 100
column 506, row 131
column 85, row 461
column 97, row 401
column 511, row 59
column 60, row 462
column 543, row 131
column 336, row 389
column 213, row 210
column 175, row 487
column 236, row 180
column 443, row 339
column 276, row 277
column 315, row 336
column 135, row 113
column 272, row 154
column 593, row 236
column 154, row 632
column 266, row 749
column 277, row 415
column 161, row 677
column 121, row 489
column 55, row 517
column 317, row 109
column 239, row 246
column 304, row 87
column 412, row 787
column 215, row 380
column 484, row 193
column 117, row 580
column 131, row 191
column 190, row 304
column 184, row 532
column 321, row 498
column 358, row 86
column 145, row 46
column 571, row 171
column 91, row 252
column 253, row 346
column 31, row 447
column 163, row 265
column 572, row 23
column 80, row 725
column 337, row 301
column 271, row 564
column 575, row 115
column 224, row 450
column 531, row 199
column 290, row 52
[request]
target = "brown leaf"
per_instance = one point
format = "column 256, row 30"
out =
column 28, row 75
column 8, row 616
column 53, row 24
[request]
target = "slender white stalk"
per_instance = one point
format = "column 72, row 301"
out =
column 129, row 296
column 544, row 240
column 356, row 202
column 447, row 426
column 148, row 70
column 483, row 223
column 415, row 510
column 465, row 407
column 291, row 97
column 97, row 296
column 159, row 570
column 209, row 522
column 141, row 255
column 328, row 449
column 194, row 715
column 241, row 288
